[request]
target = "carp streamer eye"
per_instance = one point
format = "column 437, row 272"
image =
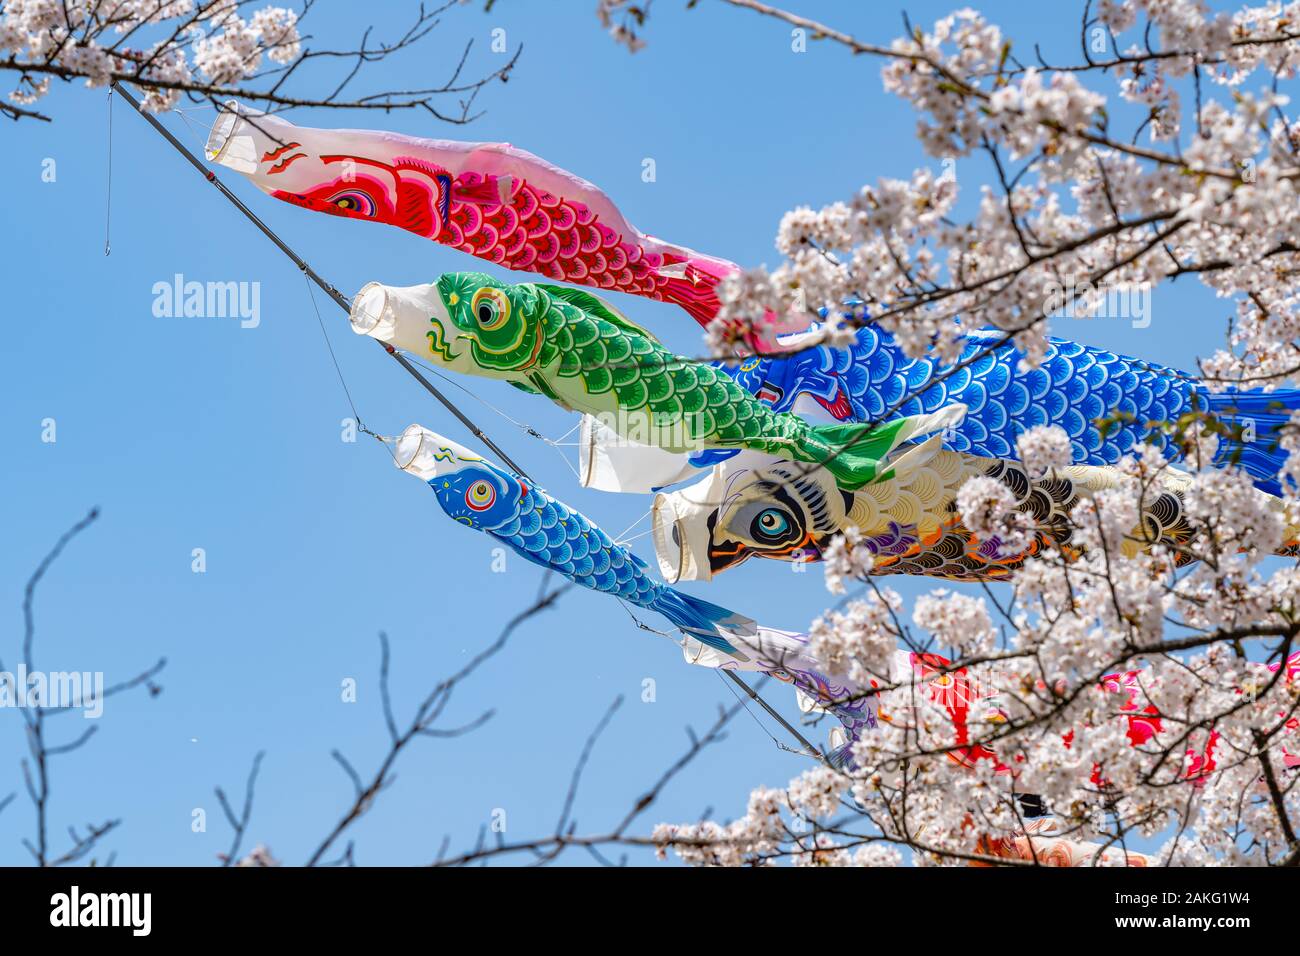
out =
column 491, row 308
column 352, row 200
column 480, row 496
column 770, row 525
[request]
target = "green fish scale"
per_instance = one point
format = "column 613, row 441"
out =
column 643, row 374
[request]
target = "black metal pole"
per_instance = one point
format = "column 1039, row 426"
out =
column 339, row 298
column 809, row 749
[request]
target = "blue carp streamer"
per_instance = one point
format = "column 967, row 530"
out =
column 1074, row 387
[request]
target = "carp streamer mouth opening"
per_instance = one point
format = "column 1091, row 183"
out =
column 370, row 314
column 426, row 454
column 220, row 136
column 665, row 531
column 402, row 318
column 408, row 447
column 681, row 544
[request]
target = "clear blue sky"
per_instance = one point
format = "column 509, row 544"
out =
column 196, row 433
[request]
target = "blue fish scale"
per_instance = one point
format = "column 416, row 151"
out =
column 552, row 534
column 1073, row 387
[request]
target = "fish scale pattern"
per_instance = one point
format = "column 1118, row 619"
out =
column 549, row 533
column 556, row 536
column 1072, row 388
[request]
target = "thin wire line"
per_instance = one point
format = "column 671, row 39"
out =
column 523, row 426
column 642, row 625
column 356, row 415
column 634, row 524
column 753, row 716
column 642, row 534
column 108, row 197
column 557, row 441
column 753, row 695
column 329, row 345
column 478, row 398
column 571, row 466
column 198, row 135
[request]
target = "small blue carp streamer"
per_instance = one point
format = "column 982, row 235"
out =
column 1074, row 387
column 483, row 496
column 526, row 519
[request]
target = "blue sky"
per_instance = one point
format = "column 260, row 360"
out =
column 195, row 433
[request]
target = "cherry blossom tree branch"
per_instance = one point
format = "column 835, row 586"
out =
column 544, row 849
column 214, row 52
column 422, row 722
column 36, row 769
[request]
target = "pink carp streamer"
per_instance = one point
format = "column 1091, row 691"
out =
column 490, row 200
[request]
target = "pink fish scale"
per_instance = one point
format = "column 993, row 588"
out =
column 515, row 241
column 590, row 240
column 564, row 217
column 548, row 248
column 570, row 243
column 538, row 224
column 505, row 219
column 490, row 236
column 527, row 200
column 469, row 218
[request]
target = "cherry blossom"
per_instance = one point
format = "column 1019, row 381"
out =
column 206, row 50
column 1130, row 687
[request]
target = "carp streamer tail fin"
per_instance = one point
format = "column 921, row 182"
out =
column 854, row 453
column 849, row 452
column 1254, row 419
column 707, row 623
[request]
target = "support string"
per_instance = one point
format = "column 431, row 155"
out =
column 523, row 426
column 108, row 192
column 198, row 129
column 752, row 716
column 639, row 534
column 621, row 539
column 356, row 416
